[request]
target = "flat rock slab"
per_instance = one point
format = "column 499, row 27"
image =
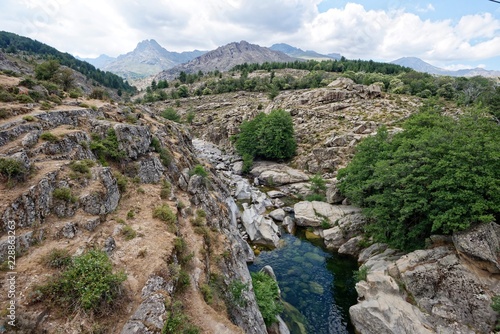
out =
column 314, row 213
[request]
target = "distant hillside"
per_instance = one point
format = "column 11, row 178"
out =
column 225, row 58
column 100, row 62
column 299, row 53
column 13, row 43
column 148, row 58
column 421, row 66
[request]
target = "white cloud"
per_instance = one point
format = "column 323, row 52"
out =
column 92, row 27
column 428, row 8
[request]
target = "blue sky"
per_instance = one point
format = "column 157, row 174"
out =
column 450, row 34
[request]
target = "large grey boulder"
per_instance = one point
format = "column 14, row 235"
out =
column 275, row 174
column 150, row 170
column 481, row 245
column 277, row 215
column 347, row 227
column 314, row 213
column 104, row 200
column 382, row 307
column 449, row 290
column 260, row 230
column 133, row 139
column 33, row 205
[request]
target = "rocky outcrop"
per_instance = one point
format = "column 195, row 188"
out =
column 151, row 314
column 106, row 199
column 434, row 290
column 277, row 174
column 260, row 230
column 33, row 205
column 315, row 213
column 481, row 245
column 150, row 169
column 347, row 227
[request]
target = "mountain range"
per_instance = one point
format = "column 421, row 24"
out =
column 421, row 66
column 148, row 58
column 225, row 58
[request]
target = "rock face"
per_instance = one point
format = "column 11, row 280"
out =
column 428, row 291
column 481, row 245
column 314, row 213
column 348, row 226
column 260, row 230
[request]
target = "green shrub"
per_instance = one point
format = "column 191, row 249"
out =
column 171, row 114
column 57, row 258
column 440, row 175
column 177, row 322
column 6, row 96
column 165, row 213
column 207, row 293
column 48, row 136
column 121, row 181
column 88, row 283
column 166, row 187
column 82, row 167
column 128, row 232
column 198, row 170
column 317, row 184
column 12, row 169
column 165, row 157
column 237, row 289
column 45, row 105
column 4, row 113
column 267, row 136
column 495, row 305
column 315, row 197
column 29, row 118
column 74, row 94
column 23, row 98
column 267, row 296
column 361, row 274
column 64, row 194
column 99, row 94
column 190, row 117
column 130, row 214
column 108, row 147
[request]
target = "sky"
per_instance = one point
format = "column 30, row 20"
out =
column 448, row 34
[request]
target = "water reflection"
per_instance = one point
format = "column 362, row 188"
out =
column 317, row 283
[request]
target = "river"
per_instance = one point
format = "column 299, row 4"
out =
column 317, row 283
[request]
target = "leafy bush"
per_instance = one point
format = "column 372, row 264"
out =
column 57, row 258
column 23, row 98
column 121, row 181
column 171, row 114
column 361, row 274
column 165, row 189
column 165, row 213
column 165, row 157
column 237, row 289
column 64, row 194
column 128, row 232
column 82, row 167
column 439, row 175
column 29, row 118
column 267, row 296
column 12, row 169
column 267, row 136
column 87, row 283
column 107, row 148
column 177, row 322
column 48, row 136
column 198, row 170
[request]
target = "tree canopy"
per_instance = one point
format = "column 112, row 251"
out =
column 267, row 136
column 440, row 175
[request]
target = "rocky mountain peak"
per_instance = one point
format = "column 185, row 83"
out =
column 226, row 57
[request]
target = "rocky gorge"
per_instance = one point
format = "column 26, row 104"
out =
column 224, row 218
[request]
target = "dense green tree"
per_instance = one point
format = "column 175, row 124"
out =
column 439, row 175
column 267, row 136
column 47, row 70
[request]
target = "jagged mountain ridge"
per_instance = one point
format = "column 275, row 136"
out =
column 148, row 58
column 421, row 66
column 299, row 53
column 226, row 57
